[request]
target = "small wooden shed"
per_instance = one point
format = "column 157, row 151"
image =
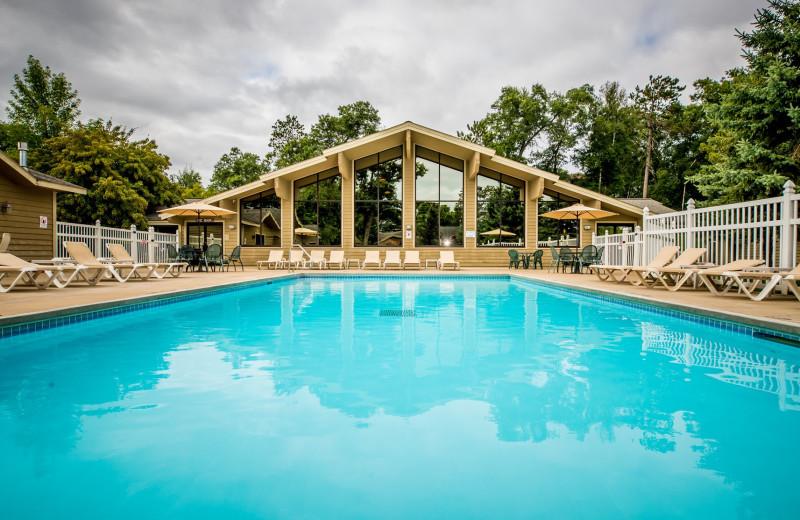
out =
column 28, row 208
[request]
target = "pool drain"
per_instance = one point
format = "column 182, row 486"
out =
column 398, row 313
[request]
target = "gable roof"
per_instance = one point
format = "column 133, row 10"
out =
column 413, row 133
column 39, row 179
column 655, row 207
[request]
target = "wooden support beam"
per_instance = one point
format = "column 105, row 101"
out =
column 535, row 188
column 283, row 188
column 345, row 165
column 409, row 147
column 473, row 165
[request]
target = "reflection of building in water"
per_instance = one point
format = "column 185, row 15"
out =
column 738, row 367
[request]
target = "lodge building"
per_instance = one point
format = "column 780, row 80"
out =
column 406, row 187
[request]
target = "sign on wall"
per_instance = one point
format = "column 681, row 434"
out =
column 43, row 222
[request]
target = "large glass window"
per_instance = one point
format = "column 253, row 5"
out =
column 501, row 210
column 318, row 209
column 260, row 220
column 379, row 199
column 439, row 201
column 553, row 232
column 200, row 235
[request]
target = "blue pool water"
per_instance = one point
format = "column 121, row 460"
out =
column 467, row 399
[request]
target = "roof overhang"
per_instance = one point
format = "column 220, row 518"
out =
column 411, row 134
column 9, row 165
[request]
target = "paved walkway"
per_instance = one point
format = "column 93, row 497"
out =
column 781, row 312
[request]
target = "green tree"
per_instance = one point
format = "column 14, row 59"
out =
column 609, row 157
column 518, row 118
column 237, row 168
column 756, row 118
column 124, row 177
column 43, row 102
column 190, row 184
column 655, row 102
column 289, row 142
column 569, row 121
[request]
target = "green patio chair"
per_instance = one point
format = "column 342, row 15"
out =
column 553, row 259
column 187, row 254
column 566, row 257
column 234, row 257
column 600, row 251
column 587, row 256
column 513, row 258
column 172, row 254
column 214, row 257
column 536, row 259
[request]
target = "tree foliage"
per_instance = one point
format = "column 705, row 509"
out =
column 609, row 156
column 534, row 126
column 289, row 142
column 756, row 113
column 657, row 103
column 42, row 102
column 237, row 168
column 124, row 177
column 190, row 184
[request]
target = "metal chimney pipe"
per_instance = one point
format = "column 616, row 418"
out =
column 23, row 154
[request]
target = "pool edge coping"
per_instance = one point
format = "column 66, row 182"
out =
column 728, row 316
column 12, row 325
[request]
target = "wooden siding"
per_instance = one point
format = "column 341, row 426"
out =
column 28, row 203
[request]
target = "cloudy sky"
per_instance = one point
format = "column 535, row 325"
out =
column 201, row 76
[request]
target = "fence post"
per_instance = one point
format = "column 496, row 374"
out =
column 787, row 237
column 97, row 237
column 689, row 224
column 178, row 238
column 646, row 246
column 134, row 245
column 151, row 243
column 607, row 250
column 637, row 243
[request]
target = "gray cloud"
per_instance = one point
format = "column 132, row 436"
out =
column 202, row 76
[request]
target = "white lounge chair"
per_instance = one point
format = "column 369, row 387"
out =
column 372, row 257
column 618, row 273
column 16, row 271
column 447, row 258
column 97, row 270
column 121, row 255
column 687, row 258
column 4, row 242
column 273, row 261
column 317, row 258
column 337, row 258
column 749, row 282
column 412, row 258
column 295, row 259
column 392, row 257
column 675, row 278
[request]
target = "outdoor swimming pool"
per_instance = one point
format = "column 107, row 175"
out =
column 390, row 398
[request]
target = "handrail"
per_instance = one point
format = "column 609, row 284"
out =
column 304, row 251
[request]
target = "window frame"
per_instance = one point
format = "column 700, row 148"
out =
column 453, row 162
column 378, row 201
column 261, row 195
column 319, row 177
column 482, row 173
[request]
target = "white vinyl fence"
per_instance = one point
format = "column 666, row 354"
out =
column 144, row 246
column 763, row 229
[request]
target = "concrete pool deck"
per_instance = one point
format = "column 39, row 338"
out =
column 27, row 303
